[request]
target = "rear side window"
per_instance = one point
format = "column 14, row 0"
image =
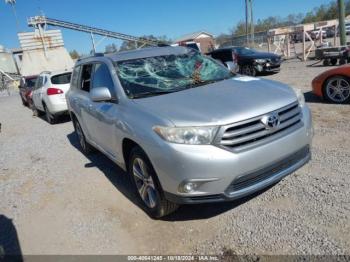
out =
column 30, row 82
column 61, row 79
column 85, row 79
column 75, row 77
column 102, row 78
column 38, row 82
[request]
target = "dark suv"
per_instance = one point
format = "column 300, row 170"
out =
column 250, row 61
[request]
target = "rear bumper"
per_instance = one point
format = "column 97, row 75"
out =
column 57, row 105
column 262, row 178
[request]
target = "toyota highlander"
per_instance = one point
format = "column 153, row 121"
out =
column 184, row 128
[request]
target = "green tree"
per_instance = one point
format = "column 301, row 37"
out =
column 74, row 54
column 112, row 48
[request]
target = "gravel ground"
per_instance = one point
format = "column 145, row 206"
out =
column 61, row 202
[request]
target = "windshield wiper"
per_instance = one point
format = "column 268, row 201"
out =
column 153, row 93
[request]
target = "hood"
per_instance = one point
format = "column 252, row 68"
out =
column 262, row 55
column 220, row 103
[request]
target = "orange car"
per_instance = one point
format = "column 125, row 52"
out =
column 333, row 85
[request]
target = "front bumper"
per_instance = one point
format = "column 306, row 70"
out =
column 268, row 67
column 255, row 181
column 219, row 168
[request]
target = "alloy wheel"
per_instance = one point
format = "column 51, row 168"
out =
column 144, row 182
column 338, row 90
column 248, row 70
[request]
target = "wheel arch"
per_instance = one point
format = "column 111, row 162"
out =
column 127, row 145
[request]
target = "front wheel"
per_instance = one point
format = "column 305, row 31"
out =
column 248, row 70
column 146, row 184
column 337, row 90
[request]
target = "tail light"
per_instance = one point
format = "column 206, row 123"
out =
column 54, row 91
column 234, row 57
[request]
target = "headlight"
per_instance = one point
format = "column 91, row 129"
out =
column 260, row 61
column 187, row 135
column 300, row 96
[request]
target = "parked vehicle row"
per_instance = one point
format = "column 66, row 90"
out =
column 45, row 93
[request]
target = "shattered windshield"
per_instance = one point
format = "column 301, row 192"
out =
column 166, row 74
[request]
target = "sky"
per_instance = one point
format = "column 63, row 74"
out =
column 172, row 18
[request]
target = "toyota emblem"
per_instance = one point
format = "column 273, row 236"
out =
column 271, row 121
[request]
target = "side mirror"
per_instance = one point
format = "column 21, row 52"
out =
column 99, row 94
column 231, row 66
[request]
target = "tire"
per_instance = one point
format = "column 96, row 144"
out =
column 334, row 61
column 36, row 112
column 326, row 62
column 144, row 179
column 337, row 90
column 248, row 70
column 85, row 147
column 24, row 103
column 50, row 118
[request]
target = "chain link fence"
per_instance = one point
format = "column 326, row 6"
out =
column 260, row 40
column 8, row 83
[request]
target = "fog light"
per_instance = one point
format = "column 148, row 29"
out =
column 189, row 187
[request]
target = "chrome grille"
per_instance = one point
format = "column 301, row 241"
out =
column 247, row 134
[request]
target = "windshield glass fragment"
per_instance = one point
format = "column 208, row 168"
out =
column 166, row 74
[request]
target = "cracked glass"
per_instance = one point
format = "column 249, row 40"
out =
column 166, row 74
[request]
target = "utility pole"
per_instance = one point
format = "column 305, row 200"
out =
column 12, row 3
column 246, row 22
column 341, row 16
column 249, row 22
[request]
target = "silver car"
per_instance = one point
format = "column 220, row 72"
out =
column 185, row 128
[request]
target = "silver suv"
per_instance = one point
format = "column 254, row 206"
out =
column 186, row 129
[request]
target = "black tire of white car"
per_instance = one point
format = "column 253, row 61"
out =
column 86, row 148
column 49, row 117
column 331, row 90
column 162, row 206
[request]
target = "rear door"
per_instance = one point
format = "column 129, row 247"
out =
column 81, row 100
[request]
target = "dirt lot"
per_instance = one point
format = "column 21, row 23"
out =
column 62, row 202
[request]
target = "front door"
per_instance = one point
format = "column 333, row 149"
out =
column 104, row 114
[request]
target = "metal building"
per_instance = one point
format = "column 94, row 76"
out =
column 42, row 50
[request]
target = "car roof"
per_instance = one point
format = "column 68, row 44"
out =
column 30, row 77
column 228, row 48
column 148, row 52
column 58, row 72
